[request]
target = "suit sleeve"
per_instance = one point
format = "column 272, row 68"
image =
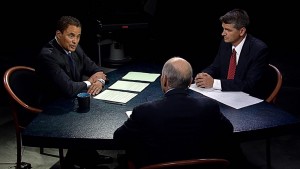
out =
column 89, row 67
column 253, row 70
column 252, row 64
column 52, row 68
column 215, row 68
column 129, row 133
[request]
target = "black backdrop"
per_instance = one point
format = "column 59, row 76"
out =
column 186, row 28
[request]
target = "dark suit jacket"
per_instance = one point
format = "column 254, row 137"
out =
column 54, row 70
column 176, row 127
column 252, row 63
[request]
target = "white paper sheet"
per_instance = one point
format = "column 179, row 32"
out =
column 129, row 86
column 236, row 100
column 128, row 113
column 118, row 97
column 141, row 76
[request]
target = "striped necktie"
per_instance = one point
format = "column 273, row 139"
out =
column 232, row 65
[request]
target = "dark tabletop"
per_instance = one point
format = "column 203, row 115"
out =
column 60, row 125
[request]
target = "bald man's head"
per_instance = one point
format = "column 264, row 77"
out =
column 178, row 73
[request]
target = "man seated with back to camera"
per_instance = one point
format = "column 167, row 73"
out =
column 251, row 57
column 178, row 126
column 62, row 65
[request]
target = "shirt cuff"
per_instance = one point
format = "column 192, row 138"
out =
column 88, row 83
column 217, row 84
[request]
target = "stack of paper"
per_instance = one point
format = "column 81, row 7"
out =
column 236, row 100
column 124, row 90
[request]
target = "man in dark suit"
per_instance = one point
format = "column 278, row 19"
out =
column 65, row 70
column 64, row 67
column 177, row 126
column 251, row 57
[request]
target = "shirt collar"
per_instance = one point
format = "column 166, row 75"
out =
column 239, row 47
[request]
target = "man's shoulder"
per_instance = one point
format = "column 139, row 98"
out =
column 50, row 49
column 47, row 50
column 202, row 102
column 207, row 101
column 254, row 41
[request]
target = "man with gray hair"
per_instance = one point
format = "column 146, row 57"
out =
column 178, row 126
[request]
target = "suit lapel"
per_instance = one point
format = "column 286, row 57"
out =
column 65, row 59
column 243, row 59
column 68, row 66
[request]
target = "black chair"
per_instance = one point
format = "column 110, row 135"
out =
column 22, row 85
column 205, row 163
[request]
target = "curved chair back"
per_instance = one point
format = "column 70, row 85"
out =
column 21, row 83
column 278, row 83
column 268, row 90
column 192, row 164
column 270, row 85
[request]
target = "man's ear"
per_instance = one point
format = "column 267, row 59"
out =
column 164, row 81
column 58, row 34
column 242, row 31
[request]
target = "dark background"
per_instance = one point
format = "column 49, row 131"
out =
column 188, row 28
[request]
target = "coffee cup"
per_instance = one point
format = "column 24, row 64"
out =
column 84, row 100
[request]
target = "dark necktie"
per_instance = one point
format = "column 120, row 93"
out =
column 71, row 62
column 232, row 65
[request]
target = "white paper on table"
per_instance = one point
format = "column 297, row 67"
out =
column 236, row 100
column 118, row 97
column 141, row 76
column 128, row 113
column 130, row 86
